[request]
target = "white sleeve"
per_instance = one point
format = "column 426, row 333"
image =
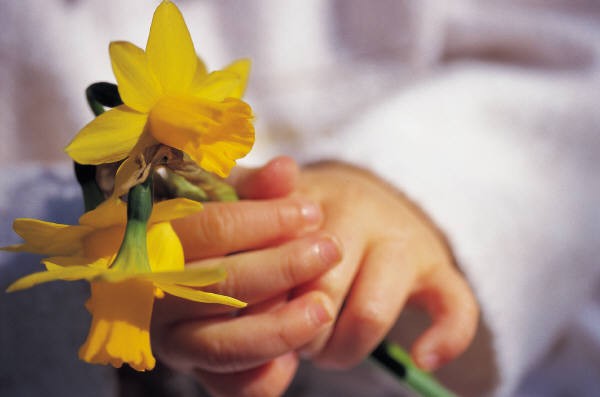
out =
column 512, row 181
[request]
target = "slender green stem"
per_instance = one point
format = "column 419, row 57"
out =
column 86, row 176
column 98, row 95
column 133, row 253
column 398, row 362
column 139, row 201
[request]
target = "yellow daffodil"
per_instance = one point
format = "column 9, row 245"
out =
column 123, row 286
column 170, row 98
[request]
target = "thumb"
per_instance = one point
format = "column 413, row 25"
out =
column 275, row 179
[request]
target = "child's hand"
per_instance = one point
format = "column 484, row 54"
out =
column 392, row 254
column 256, row 344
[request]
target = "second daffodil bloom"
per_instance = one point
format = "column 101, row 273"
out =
column 170, row 98
column 150, row 262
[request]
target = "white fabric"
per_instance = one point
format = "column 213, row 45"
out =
column 485, row 112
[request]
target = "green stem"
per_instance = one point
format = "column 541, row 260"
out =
column 133, row 253
column 208, row 185
column 98, row 95
column 86, row 176
column 398, row 362
column 139, row 201
column 102, row 94
column 178, row 186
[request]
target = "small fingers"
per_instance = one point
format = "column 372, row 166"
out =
column 275, row 179
column 257, row 276
column 223, row 228
column 335, row 282
column 241, row 343
column 455, row 313
column 376, row 298
column 267, row 380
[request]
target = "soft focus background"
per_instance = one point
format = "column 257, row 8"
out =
column 486, row 112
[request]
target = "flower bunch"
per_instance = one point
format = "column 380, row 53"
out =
column 171, row 122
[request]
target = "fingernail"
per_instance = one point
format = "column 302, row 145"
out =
column 329, row 250
column 319, row 313
column 429, row 361
column 311, row 212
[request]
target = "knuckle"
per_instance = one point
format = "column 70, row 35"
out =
column 297, row 214
column 285, row 339
column 218, row 224
column 286, row 217
column 466, row 326
column 459, row 336
column 370, row 319
column 289, row 272
column 231, row 286
column 300, row 262
column 215, row 355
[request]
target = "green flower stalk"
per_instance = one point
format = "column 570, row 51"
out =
column 133, row 253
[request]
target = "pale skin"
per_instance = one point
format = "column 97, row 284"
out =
column 326, row 257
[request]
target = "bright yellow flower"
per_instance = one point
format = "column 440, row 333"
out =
column 169, row 97
column 122, row 293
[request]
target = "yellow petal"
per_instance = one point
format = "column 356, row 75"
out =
column 138, row 87
column 165, row 252
column 216, row 86
column 168, row 210
column 104, row 242
column 47, row 238
column 201, row 72
column 109, row 137
column 58, row 262
column 213, row 134
column 199, row 296
column 241, row 68
column 111, row 212
column 170, row 49
column 120, row 331
column 66, row 273
column 191, row 276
